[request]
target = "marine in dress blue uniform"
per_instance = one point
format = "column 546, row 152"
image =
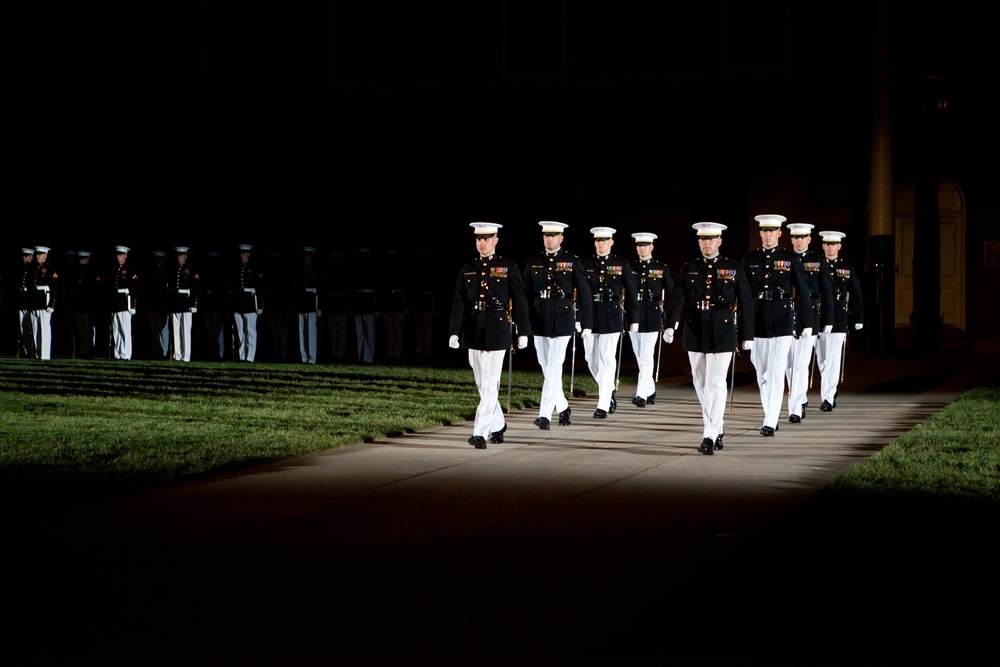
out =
column 26, row 303
column 307, row 284
column 658, row 311
column 778, row 285
column 123, row 296
column 613, row 292
column 846, row 306
column 246, row 296
column 719, row 317
column 560, row 307
column 801, row 352
column 184, row 293
column 489, row 306
column 45, row 296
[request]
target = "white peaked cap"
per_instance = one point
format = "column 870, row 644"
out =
column 552, row 226
column 244, row 247
column 709, row 229
column 602, row 232
column 800, row 229
column 832, row 237
column 770, row 221
column 181, row 249
column 122, row 248
column 41, row 248
column 485, row 228
column 644, row 237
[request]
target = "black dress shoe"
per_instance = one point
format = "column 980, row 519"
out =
column 804, row 406
column 707, row 447
column 767, row 431
column 564, row 417
column 600, row 414
column 826, row 407
column 496, row 437
column 478, row 441
column 718, row 442
column 651, row 398
column 614, row 404
column 542, row 423
column 639, row 402
column 795, row 419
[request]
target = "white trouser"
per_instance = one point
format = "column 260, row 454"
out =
column 307, row 337
column 829, row 355
column 246, row 335
column 708, row 374
column 770, row 358
column 599, row 351
column 487, row 365
column 181, row 323
column 364, row 328
column 800, row 355
column 121, row 333
column 551, row 353
column 644, row 347
column 41, row 328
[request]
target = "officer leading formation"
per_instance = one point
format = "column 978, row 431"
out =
column 792, row 309
column 489, row 311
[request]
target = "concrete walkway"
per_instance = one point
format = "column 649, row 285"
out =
column 551, row 548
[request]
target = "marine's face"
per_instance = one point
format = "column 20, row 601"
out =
column 801, row 243
column 603, row 246
column 831, row 250
column 709, row 245
column 769, row 237
column 486, row 245
column 644, row 250
column 552, row 241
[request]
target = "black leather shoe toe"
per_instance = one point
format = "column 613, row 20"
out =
column 600, row 414
column 542, row 423
column 795, row 419
column 707, row 446
column 651, row 398
column 639, row 402
column 478, row 441
column 564, row 417
column 826, row 407
column 767, row 431
column 718, row 442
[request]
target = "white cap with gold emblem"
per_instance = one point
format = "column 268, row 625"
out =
column 552, row 227
column 708, row 229
column 799, row 229
column 770, row 221
column 602, row 232
column 485, row 228
column 832, row 237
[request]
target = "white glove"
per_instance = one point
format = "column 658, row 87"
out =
column 634, row 326
column 586, row 333
column 808, row 331
column 260, row 311
column 828, row 329
column 522, row 342
column 49, row 309
column 748, row 345
column 668, row 336
column 131, row 311
column 858, row 326
column 579, row 327
column 192, row 310
column 453, row 342
column 319, row 313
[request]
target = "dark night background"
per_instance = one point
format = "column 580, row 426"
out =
column 393, row 124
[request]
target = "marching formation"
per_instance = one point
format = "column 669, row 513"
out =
column 791, row 309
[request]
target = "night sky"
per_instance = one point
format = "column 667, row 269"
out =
column 158, row 126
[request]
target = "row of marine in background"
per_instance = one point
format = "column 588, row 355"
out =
column 245, row 305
